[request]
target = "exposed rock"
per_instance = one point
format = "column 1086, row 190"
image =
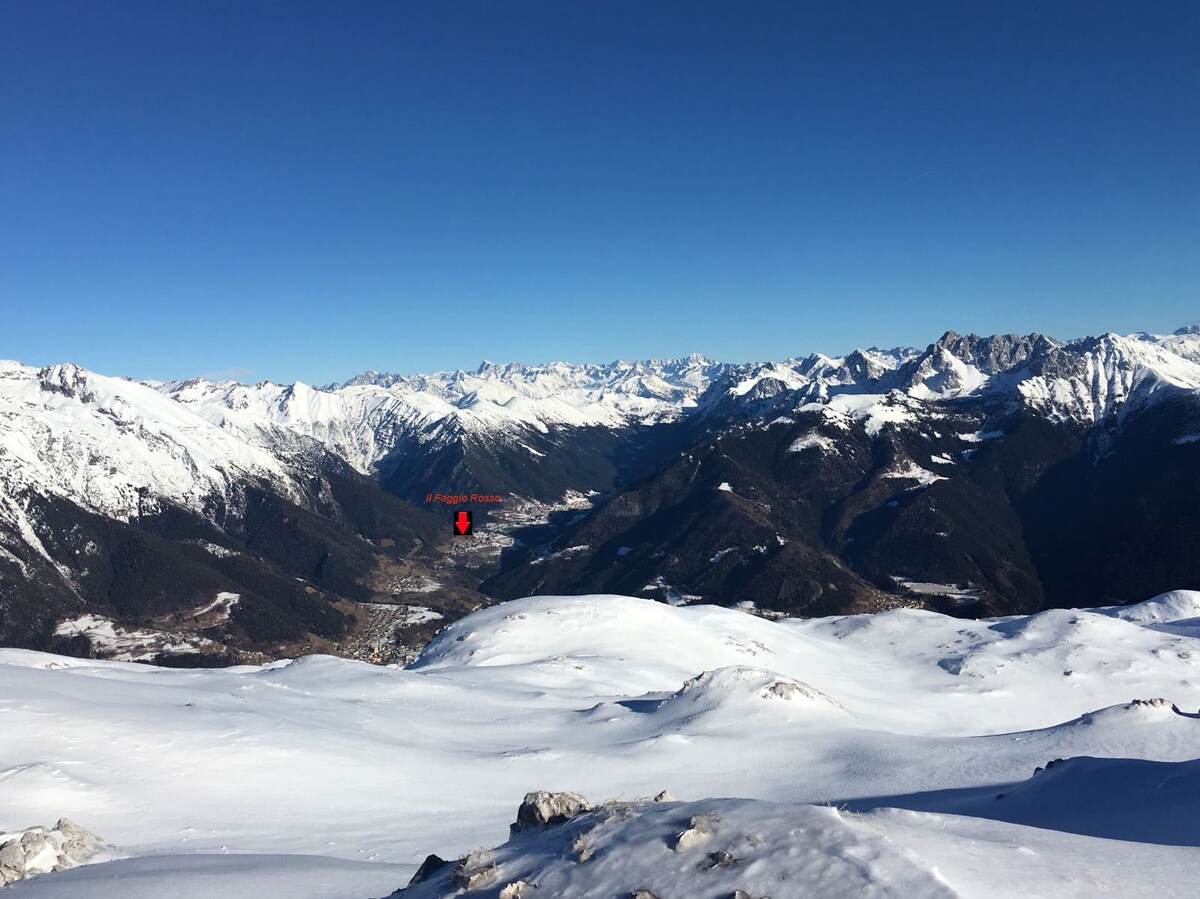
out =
column 718, row 859
column 431, row 865
column 699, row 829
column 642, row 894
column 543, row 808
column 689, row 838
column 666, row 796
column 581, row 848
column 12, row 862
column 474, row 871
column 518, row 889
column 79, row 844
column 1156, row 703
column 40, row 850
column 785, row 688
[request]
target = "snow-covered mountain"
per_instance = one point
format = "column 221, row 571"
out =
column 110, row 442
column 364, row 419
column 113, row 445
column 117, row 501
column 1001, row 474
column 841, row 480
column 902, row 754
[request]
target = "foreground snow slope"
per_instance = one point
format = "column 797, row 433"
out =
column 605, row 695
column 790, row 850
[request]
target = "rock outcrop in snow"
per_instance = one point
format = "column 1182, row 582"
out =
column 40, row 850
column 745, row 848
column 543, row 808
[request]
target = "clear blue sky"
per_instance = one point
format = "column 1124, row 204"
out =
column 305, row 190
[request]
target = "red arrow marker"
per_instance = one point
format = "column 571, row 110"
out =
column 462, row 524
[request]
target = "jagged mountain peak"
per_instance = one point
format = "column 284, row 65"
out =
column 997, row 353
column 863, row 367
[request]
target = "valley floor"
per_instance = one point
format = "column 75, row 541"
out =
column 333, row 778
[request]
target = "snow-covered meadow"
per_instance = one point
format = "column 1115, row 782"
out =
column 332, row 778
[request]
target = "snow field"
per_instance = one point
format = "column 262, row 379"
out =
column 341, row 762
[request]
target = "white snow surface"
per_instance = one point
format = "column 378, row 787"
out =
column 247, row 781
column 222, row 606
column 914, row 472
column 812, row 440
column 874, row 410
column 128, row 644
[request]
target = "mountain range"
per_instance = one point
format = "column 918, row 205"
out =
column 201, row 522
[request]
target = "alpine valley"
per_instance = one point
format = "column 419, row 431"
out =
column 203, row 523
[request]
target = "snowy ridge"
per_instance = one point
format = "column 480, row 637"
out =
column 362, row 419
column 112, row 445
column 1092, row 378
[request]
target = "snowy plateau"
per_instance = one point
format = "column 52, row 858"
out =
column 900, row 754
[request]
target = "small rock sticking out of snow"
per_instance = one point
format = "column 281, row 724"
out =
column 543, row 808
column 40, row 850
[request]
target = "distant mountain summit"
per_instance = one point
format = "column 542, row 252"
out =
column 978, row 474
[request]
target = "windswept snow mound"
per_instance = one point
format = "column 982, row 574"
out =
column 1166, row 608
column 734, row 695
column 1114, row 798
column 760, row 848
